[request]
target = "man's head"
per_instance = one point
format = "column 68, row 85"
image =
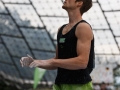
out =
column 82, row 5
column 87, row 4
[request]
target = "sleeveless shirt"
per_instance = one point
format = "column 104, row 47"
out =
column 67, row 49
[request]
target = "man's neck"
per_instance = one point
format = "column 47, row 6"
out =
column 74, row 17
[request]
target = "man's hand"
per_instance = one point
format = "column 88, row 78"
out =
column 30, row 62
column 45, row 64
column 36, row 63
column 26, row 61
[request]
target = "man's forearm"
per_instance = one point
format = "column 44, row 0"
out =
column 46, row 64
column 72, row 63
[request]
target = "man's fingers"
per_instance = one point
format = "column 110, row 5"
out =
column 25, row 63
column 22, row 59
column 33, row 64
column 21, row 63
column 29, row 56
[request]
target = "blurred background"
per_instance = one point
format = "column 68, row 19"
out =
column 30, row 27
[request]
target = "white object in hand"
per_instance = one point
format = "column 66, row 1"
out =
column 26, row 61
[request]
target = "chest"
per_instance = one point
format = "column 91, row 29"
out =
column 66, row 29
column 67, row 38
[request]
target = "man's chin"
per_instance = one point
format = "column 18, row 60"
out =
column 64, row 7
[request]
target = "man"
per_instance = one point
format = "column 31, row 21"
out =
column 75, row 50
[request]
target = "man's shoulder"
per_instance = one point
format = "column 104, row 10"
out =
column 84, row 29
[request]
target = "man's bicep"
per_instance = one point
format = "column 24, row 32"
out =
column 84, row 35
column 83, row 48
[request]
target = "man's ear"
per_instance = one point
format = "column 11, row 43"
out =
column 79, row 4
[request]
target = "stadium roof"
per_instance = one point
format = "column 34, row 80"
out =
column 30, row 27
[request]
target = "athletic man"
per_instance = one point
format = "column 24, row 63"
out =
column 75, row 50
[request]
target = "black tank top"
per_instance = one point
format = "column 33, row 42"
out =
column 67, row 49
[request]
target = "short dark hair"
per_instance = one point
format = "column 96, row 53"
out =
column 87, row 4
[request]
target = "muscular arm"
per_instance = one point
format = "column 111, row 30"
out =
column 84, row 35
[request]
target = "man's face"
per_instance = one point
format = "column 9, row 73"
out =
column 69, row 4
